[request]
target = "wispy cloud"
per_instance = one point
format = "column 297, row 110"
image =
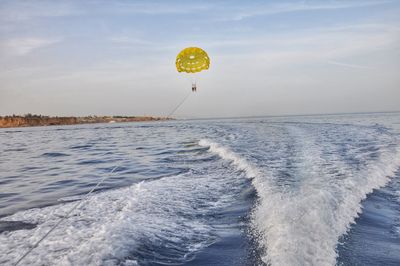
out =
column 11, row 11
column 24, row 46
column 24, row 10
column 156, row 8
column 287, row 7
column 329, row 40
column 342, row 64
column 130, row 41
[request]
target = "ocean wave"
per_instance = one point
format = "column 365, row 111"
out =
column 156, row 221
column 110, row 227
column 228, row 155
column 302, row 226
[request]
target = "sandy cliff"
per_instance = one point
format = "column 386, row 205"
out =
column 38, row 120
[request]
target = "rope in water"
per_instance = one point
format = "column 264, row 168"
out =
column 68, row 213
column 85, row 197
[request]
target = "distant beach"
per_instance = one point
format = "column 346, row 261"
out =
column 40, row 120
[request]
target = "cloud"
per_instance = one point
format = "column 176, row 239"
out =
column 157, row 8
column 24, row 46
column 271, row 9
column 348, row 65
column 329, row 42
column 13, row 11
column 130, row 41
column 142, row 45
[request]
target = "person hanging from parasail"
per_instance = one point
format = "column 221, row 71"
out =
column 192, row 60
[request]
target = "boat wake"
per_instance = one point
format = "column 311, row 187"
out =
column 301, row 224
column 275, row 191
column 165, row 219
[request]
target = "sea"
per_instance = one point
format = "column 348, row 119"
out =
column 294, row 190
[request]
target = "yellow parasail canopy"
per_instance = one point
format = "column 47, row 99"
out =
column 192, row 60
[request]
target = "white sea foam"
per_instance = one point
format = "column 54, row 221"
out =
column 302, row 226
column 111, row 226
column 298, row 223
column 397, row 193
column 227, row 154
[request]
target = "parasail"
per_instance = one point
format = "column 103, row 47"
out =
column 192, row 60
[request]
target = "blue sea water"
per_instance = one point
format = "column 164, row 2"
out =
column 301, row 190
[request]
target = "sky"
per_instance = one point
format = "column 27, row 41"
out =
column 267, row 57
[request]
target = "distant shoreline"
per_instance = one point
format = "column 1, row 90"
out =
column 40, row 120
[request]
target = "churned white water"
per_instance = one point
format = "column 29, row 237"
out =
column 302, row 227
column 185, row 189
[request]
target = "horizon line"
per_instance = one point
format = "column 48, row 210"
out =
column 218, row 117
